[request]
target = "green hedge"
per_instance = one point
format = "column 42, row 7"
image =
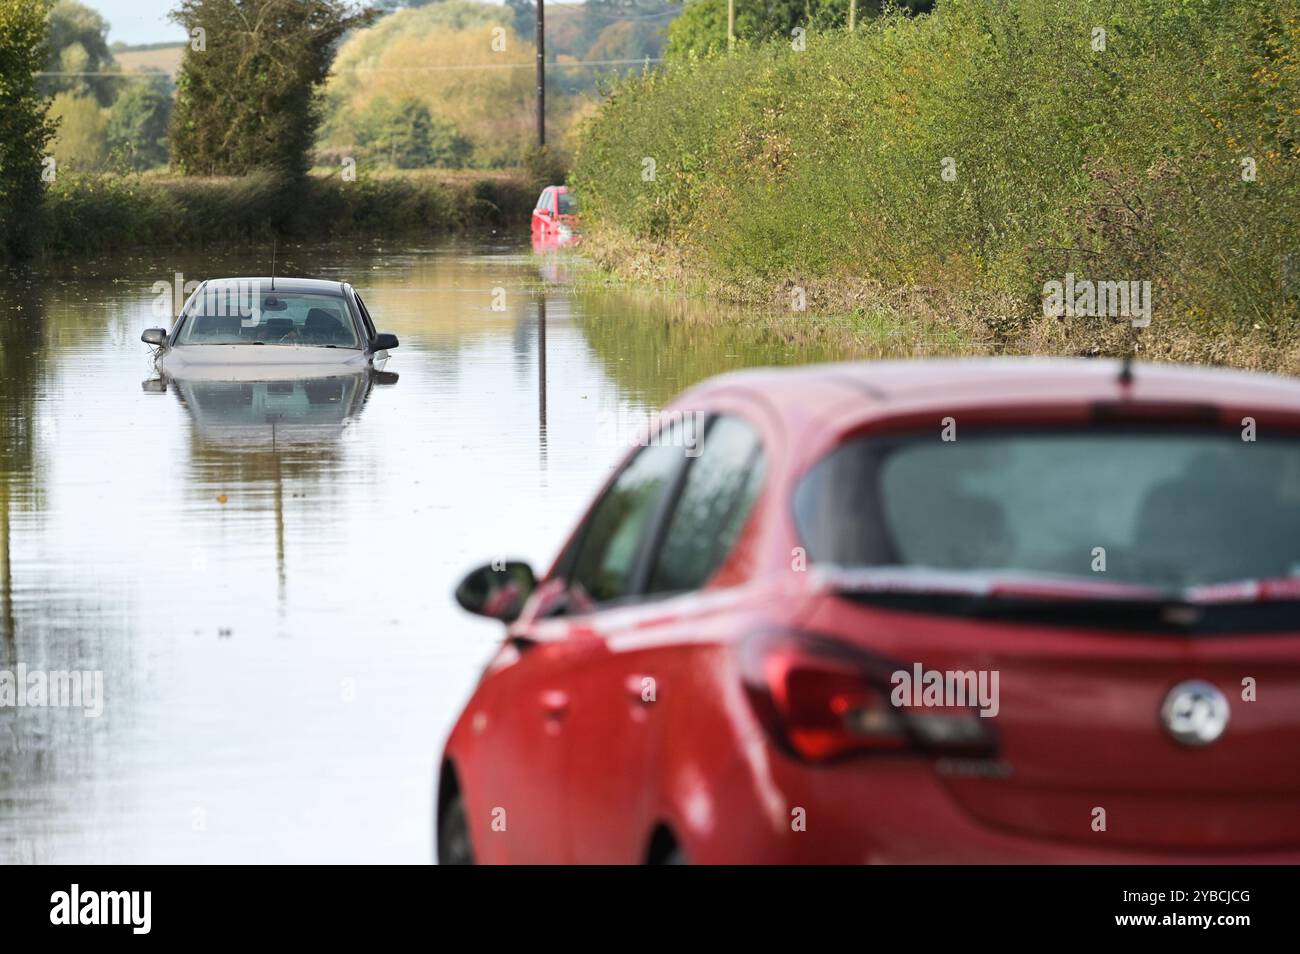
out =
column 84, row 213
column 1125, row 163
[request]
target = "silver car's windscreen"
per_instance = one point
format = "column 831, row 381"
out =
column 236, row 315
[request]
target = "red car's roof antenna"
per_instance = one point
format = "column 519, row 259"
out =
column 1126, row 371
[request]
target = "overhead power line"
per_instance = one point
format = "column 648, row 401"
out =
column 500, row 66
column 408, row 69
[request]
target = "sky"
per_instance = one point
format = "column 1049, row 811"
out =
column 138, row 21
column 141, row 21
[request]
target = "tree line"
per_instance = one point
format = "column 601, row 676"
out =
column 245, row 99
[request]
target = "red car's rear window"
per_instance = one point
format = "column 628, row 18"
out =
column 1159, row 508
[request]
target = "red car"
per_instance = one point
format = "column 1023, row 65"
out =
column 555, row 219
column 962, row 611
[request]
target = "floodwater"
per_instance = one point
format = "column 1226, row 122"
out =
column 261, row 574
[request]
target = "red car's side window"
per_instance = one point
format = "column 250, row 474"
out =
column 720, row 489
column 670, row 518
column 611, row 542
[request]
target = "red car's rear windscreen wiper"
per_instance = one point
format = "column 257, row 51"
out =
column 1064, row 602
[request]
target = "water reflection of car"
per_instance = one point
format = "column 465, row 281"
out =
column 265, row 405
column 264, row 321
column 909, row 612
column 555, row 219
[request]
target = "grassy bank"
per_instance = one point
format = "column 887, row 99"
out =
column 945, row 168
column 89, row 213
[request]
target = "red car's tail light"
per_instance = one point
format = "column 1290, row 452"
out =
column 821, row 699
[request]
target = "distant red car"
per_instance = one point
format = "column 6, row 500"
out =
column 965, row 611
column 555, row 219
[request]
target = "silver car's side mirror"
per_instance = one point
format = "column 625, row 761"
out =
column 154, row 336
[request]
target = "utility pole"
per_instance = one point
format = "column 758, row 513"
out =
column 541, row 73
column 541, row 379
column 853, row 14
column 731, row 24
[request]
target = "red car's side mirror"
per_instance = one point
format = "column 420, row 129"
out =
column 497, row 590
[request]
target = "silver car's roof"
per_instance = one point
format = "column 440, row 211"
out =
column 289, row 285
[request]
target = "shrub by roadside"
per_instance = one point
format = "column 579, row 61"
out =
column 976, row 154
column 86, row 213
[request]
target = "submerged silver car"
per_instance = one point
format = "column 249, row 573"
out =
column 271, row 321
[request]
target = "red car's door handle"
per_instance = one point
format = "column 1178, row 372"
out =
column 555, row 703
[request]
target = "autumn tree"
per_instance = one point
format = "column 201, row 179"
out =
column 25, row 126
column 247, row 93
